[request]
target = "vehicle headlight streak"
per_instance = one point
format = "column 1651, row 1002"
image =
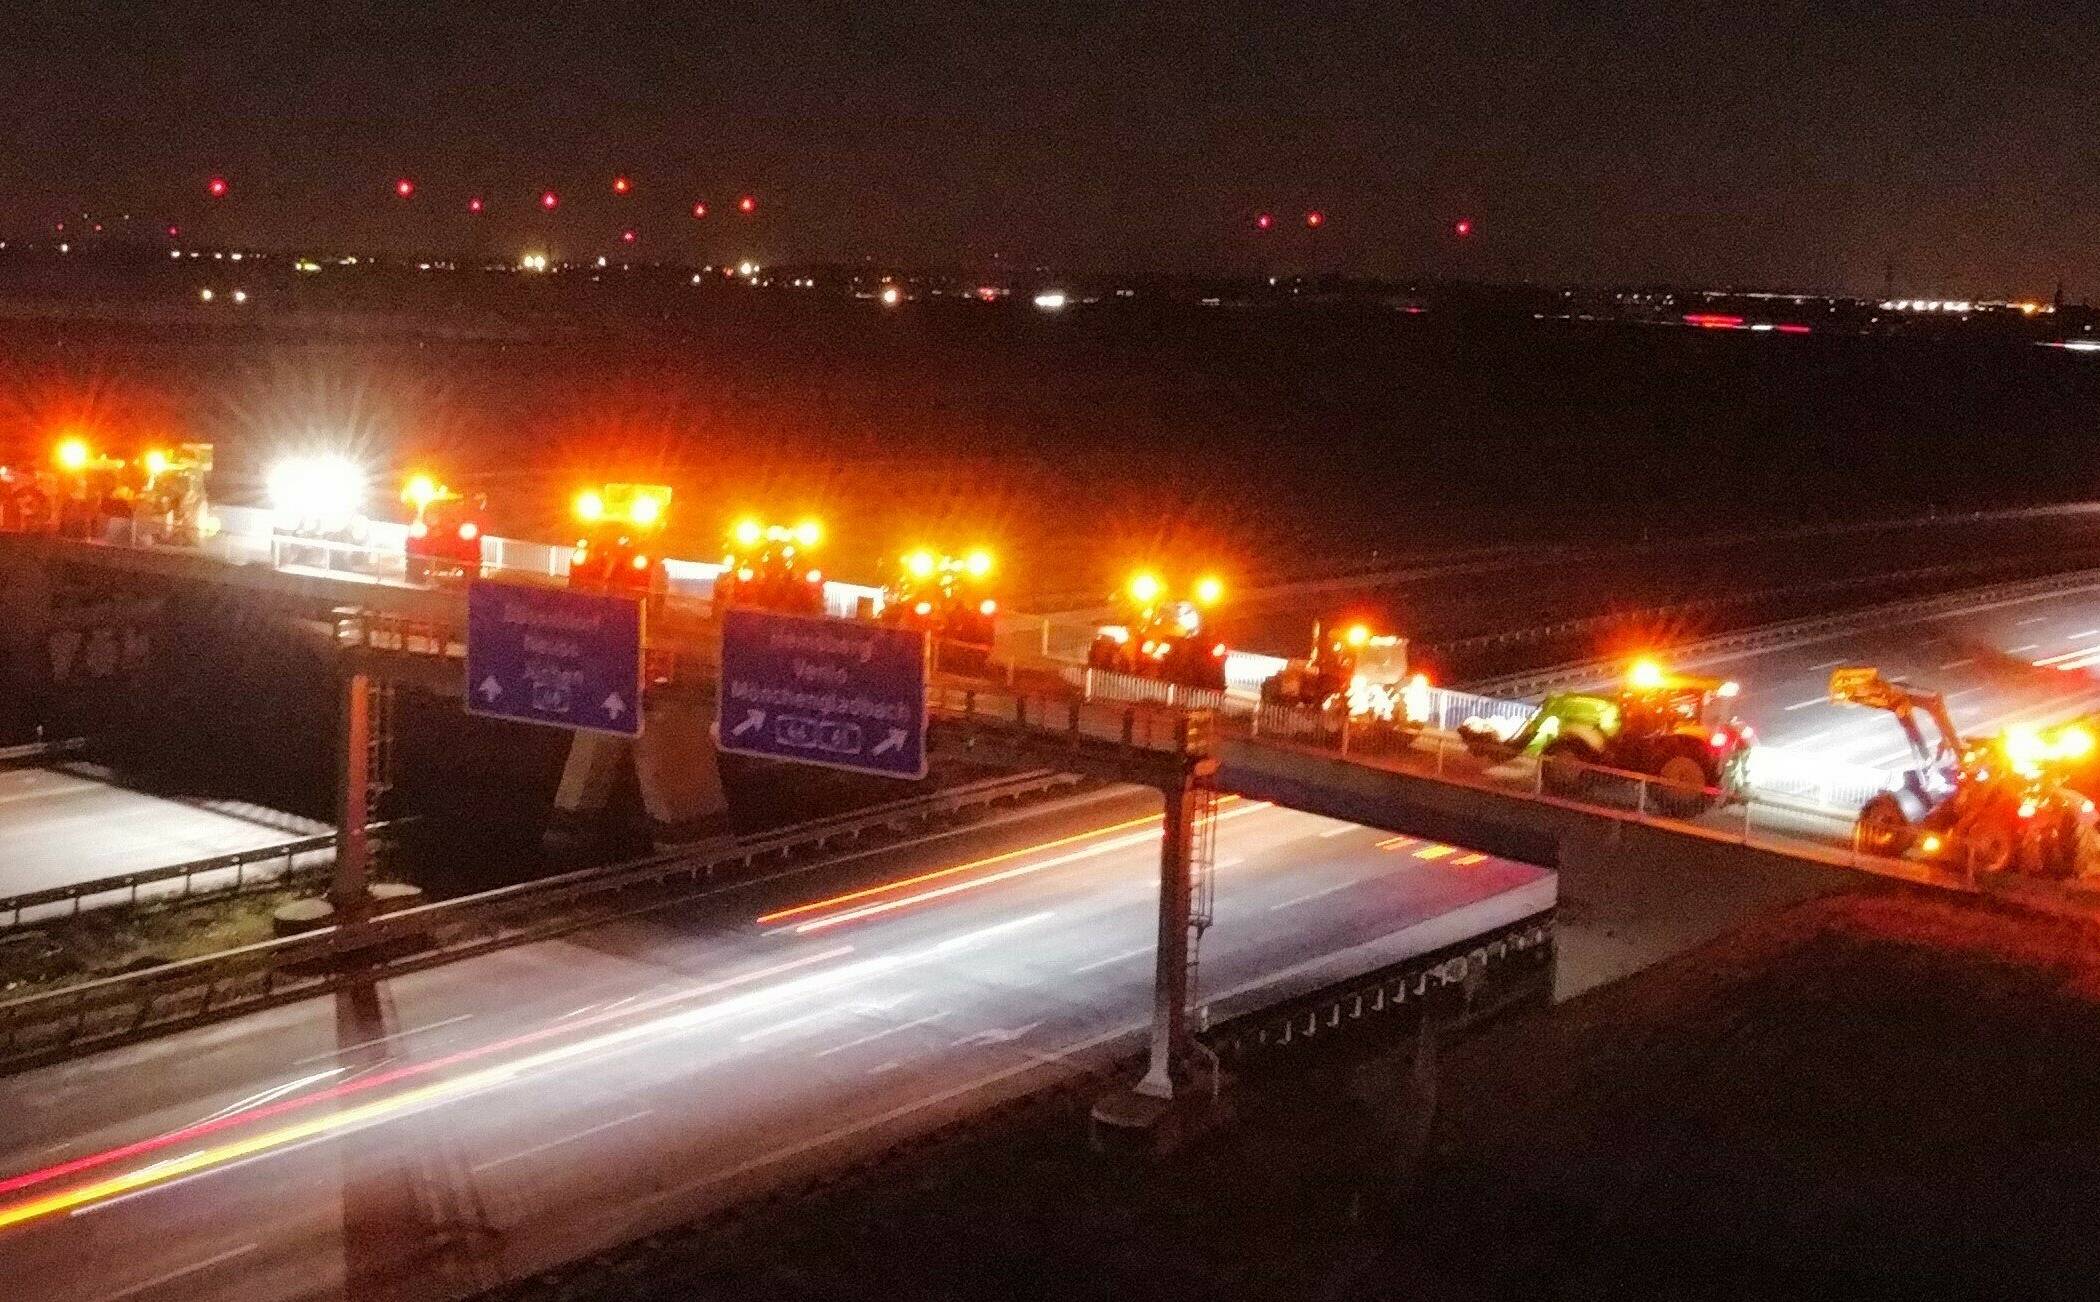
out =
column 860, row 912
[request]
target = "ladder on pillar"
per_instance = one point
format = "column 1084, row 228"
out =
column 379, row 751
column 1203, row 864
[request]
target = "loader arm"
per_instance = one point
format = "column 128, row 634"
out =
column 1864, row 685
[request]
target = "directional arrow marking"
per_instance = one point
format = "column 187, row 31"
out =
column 893, row 741
column 753, row 721
column 490, row 689
column 614, row 706
column 997, row 1036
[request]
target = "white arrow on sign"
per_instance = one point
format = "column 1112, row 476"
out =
column 490, row 689
column 889, row 743
column 614, row 706
column 753, row 721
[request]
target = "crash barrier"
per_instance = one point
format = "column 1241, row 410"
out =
column 1583, row 673
column 287, row 863
column 42, row 752
column 78, row 1019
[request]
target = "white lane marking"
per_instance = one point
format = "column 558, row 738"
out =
column 877, row 1035
column 1827, row 664
column 1123, row 957
column 2073, row 637
column 1344, row 830
column 537, row 1149
column 882, row 1067
column 2031, row 646
column 261, row 1097
column 174, row 1275
column 366, row 1044
column 996, row 1035
column 2031, row 619
column 1956, row 664
column 1300, row 899
column 787, row 1024
column 1234, row 862
column 1802, row 705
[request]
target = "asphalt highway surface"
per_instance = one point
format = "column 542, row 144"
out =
column 487, row 1119
column 59, row 826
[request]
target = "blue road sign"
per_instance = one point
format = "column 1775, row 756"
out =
column 550, row 655
column 836, row 692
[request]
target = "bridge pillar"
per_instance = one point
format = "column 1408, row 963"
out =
column 1179, row 1096
column 1170, row 974
column 25, row 622
column 676, row 765
column 352, row 892
column 679, row 769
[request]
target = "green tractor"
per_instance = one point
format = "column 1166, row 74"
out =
column 1660, row 724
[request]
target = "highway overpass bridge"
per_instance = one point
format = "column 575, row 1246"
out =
column 85, row 610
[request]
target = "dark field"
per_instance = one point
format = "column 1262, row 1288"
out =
column 1277, row 440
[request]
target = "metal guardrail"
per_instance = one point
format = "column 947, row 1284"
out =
column 1582, row 672
column 39, row 752
column 72, row 1020
column 128, row 884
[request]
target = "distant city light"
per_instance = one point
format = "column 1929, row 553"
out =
column 891, row 296
column 1050, row 300
column 240, row 295
column 533, row 262
column 746, row 269
column 205, row 295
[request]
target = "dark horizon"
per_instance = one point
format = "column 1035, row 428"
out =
column 1798, row 148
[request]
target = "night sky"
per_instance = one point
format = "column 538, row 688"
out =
column 1795, row 144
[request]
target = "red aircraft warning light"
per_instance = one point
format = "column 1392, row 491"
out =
column 404, row 187
column 1264, row 221
column 747, row 205
column 699, row 210
column 548, row 199
column 174, row 232
column 216, row 187
column 474, row 204
column 627, row 237
column 621, row 185
column 1462, row 227
column 1316, row 219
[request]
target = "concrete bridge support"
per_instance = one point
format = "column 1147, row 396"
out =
column 675, row 764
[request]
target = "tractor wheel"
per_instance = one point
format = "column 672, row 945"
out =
column 1992, row 845
column 1681, row 786
column 1882, row 829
